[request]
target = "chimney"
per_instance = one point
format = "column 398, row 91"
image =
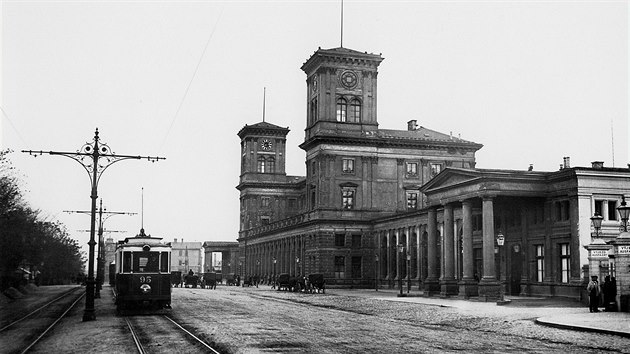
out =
column 174, row 240
column 597, row 165
column 531, row 167
column 411, row 125
column 567, row 162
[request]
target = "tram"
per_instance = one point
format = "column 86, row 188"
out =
column 143, row 273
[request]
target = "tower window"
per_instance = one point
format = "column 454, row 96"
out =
column 354, row 115
column 264, row 202
column 261, row 164
column 347, row 198
column 271, row 165
column 342, row 109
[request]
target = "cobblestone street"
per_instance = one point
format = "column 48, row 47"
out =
column 250, row 320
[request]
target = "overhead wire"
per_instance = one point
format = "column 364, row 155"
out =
column 4, row 113
column 181, row 103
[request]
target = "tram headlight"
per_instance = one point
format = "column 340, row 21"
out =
column 145, row 288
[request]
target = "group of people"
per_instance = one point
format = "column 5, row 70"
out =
column 602, row 295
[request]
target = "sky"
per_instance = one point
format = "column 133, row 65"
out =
column 533, row 81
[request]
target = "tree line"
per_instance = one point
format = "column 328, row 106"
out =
column 29, row 242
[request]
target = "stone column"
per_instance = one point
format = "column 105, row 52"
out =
column 468, row 284
column 397, row 254
column 489, row 286
column 431, row 283
column 448, row 283
column 621, row 247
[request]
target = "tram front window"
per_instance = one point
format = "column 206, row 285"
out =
column 146, row 262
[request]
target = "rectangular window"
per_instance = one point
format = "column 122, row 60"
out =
column 355, row 267
column 340, row 240
column 540, row 262
column 612, row 210
column 340, row 267
column 264, row 220
column 356, row 241
column 412, row 200
column 565, row 262
column 164, row 265
column 292, row 204
column 435, row 169
column 412, row 169
column 347, row 198
column 599, row 207
column 264, row 202
column 145, row 262
column 348, row 165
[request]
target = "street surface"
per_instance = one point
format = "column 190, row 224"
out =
column 253, row 320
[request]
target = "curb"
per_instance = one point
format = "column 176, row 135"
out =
column 548, row 323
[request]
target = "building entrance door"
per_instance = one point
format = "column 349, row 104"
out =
column 516, row 267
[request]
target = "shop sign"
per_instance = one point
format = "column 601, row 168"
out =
column 623, row 250
column 599, row 253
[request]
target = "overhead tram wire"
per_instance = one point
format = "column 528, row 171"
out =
column 4, row 113
column 181, row 103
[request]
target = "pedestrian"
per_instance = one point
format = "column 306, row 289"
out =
column 593, row 294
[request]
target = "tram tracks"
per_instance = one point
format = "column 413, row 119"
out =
column 23, row 333
column 162, row 334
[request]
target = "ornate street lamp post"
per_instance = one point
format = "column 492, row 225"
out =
column 95, row 157
column 376, row 272
column 274, row 268
column 624, row 213
column 401, row 249
column 596, row 220
column 500, row 243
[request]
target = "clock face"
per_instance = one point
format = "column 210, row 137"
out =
column 349, row 79
column 266, row 144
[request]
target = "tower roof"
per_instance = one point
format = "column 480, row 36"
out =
column 341, row 55
column 263, row 128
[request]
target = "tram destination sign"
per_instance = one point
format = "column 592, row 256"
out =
column 623, row 250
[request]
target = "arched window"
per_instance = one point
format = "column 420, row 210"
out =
column 261, row 164
column 354, row 115
column 271, row 165
column 342, row 109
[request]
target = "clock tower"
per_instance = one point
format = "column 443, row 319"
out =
column 341, row 93
column 265, row 188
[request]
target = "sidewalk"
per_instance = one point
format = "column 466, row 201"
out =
column 553, row 312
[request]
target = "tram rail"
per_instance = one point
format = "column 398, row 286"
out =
column 22, row 334
column 140, row 329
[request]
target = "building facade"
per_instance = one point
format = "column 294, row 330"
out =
column 186, row 256
column 382, row 207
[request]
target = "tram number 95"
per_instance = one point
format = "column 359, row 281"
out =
column 146, row 279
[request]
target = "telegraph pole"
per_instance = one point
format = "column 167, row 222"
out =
column 95, row 157
column 100, row 259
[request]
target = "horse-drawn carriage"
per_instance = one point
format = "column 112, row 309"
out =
column 191, row 280
column 176, row 279
column 210, row 280
column 311, row 283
